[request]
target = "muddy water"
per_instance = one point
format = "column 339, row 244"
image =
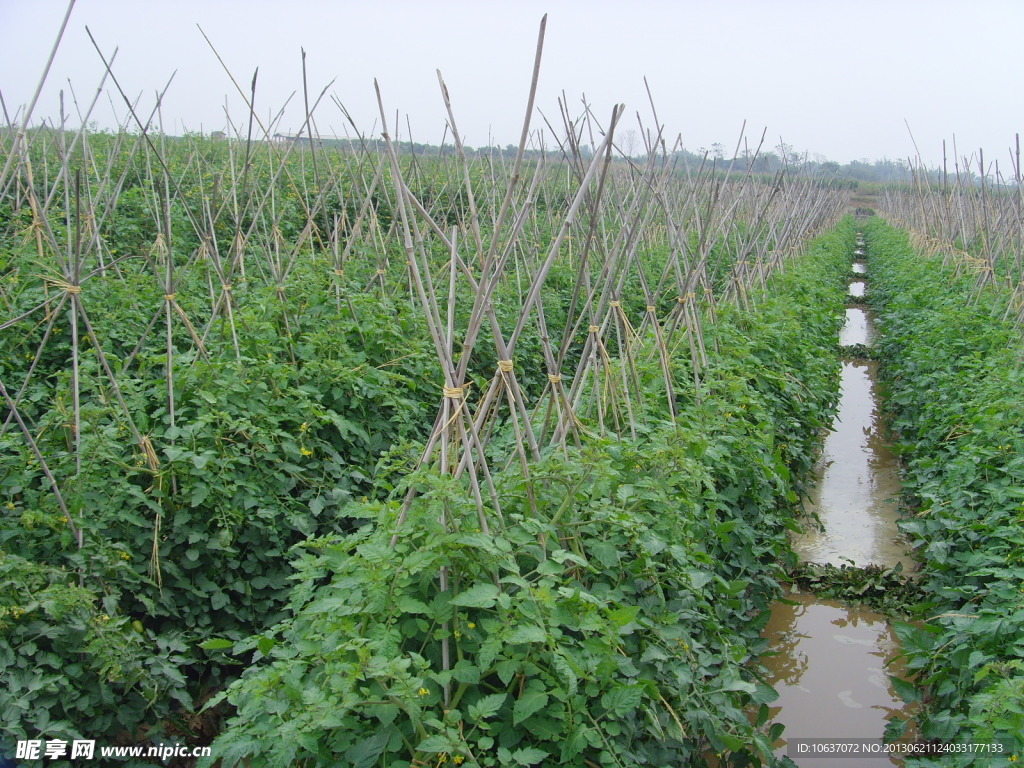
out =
column 857, row 481
column 829, row 662
column 831, row 673
column 857, row 329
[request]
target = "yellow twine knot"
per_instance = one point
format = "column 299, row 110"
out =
column 651, row 308
column 615, row 304
column 681, row 299
column 73, row 289
column 339, row 272
column 170, row 296
column 505, row 366
column 227, row 287
column 554, row 378
column 455, row 393
column 595, row 328
column 382, row 271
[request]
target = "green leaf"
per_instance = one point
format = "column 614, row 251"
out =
column 527, row 704
column 466, row 672
column 487, row 706
column 477, row 596
column 906, row 690
column 365, row 753
column 526, row 633
column 739, row 685
column 216, row 644
column 894, row 730
column 623, row 699
column 436, row 743
column 529, row 756
column 620, row 617
column 565, row 673
column 407, row 604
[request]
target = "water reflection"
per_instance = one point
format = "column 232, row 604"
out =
column 857, row 481
column 831, row 671
column 857, row 329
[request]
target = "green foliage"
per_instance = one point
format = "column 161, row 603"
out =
column 954, row 382
column 886, row 590
column 613, row 625
column 73, row 667
column 222, row 442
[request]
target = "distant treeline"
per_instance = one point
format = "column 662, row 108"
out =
column 883, row 171
column 763, row 163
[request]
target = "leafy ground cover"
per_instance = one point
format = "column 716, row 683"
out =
column 220, row 374
column 612, row 621
column 953, row 379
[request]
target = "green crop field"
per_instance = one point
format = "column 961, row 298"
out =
column 345, row 454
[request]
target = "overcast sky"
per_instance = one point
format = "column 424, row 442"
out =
column 837, row 78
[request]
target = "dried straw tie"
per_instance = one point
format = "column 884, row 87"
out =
column 64, row 286
column 453, row 393
column 505, row 366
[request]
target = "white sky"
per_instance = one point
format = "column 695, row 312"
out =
column 829, row 77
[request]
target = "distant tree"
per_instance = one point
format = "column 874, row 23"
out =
column 630, row 142
column 718, row 150
column 788, row 154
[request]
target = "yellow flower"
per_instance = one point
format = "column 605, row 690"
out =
column 10, row 505
column 458, row 759
column 304, row 427
column 423, row 692
column 471, row 625
column 305, row 451
column 457, row 634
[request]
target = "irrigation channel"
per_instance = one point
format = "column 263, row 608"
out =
column 830, row 662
